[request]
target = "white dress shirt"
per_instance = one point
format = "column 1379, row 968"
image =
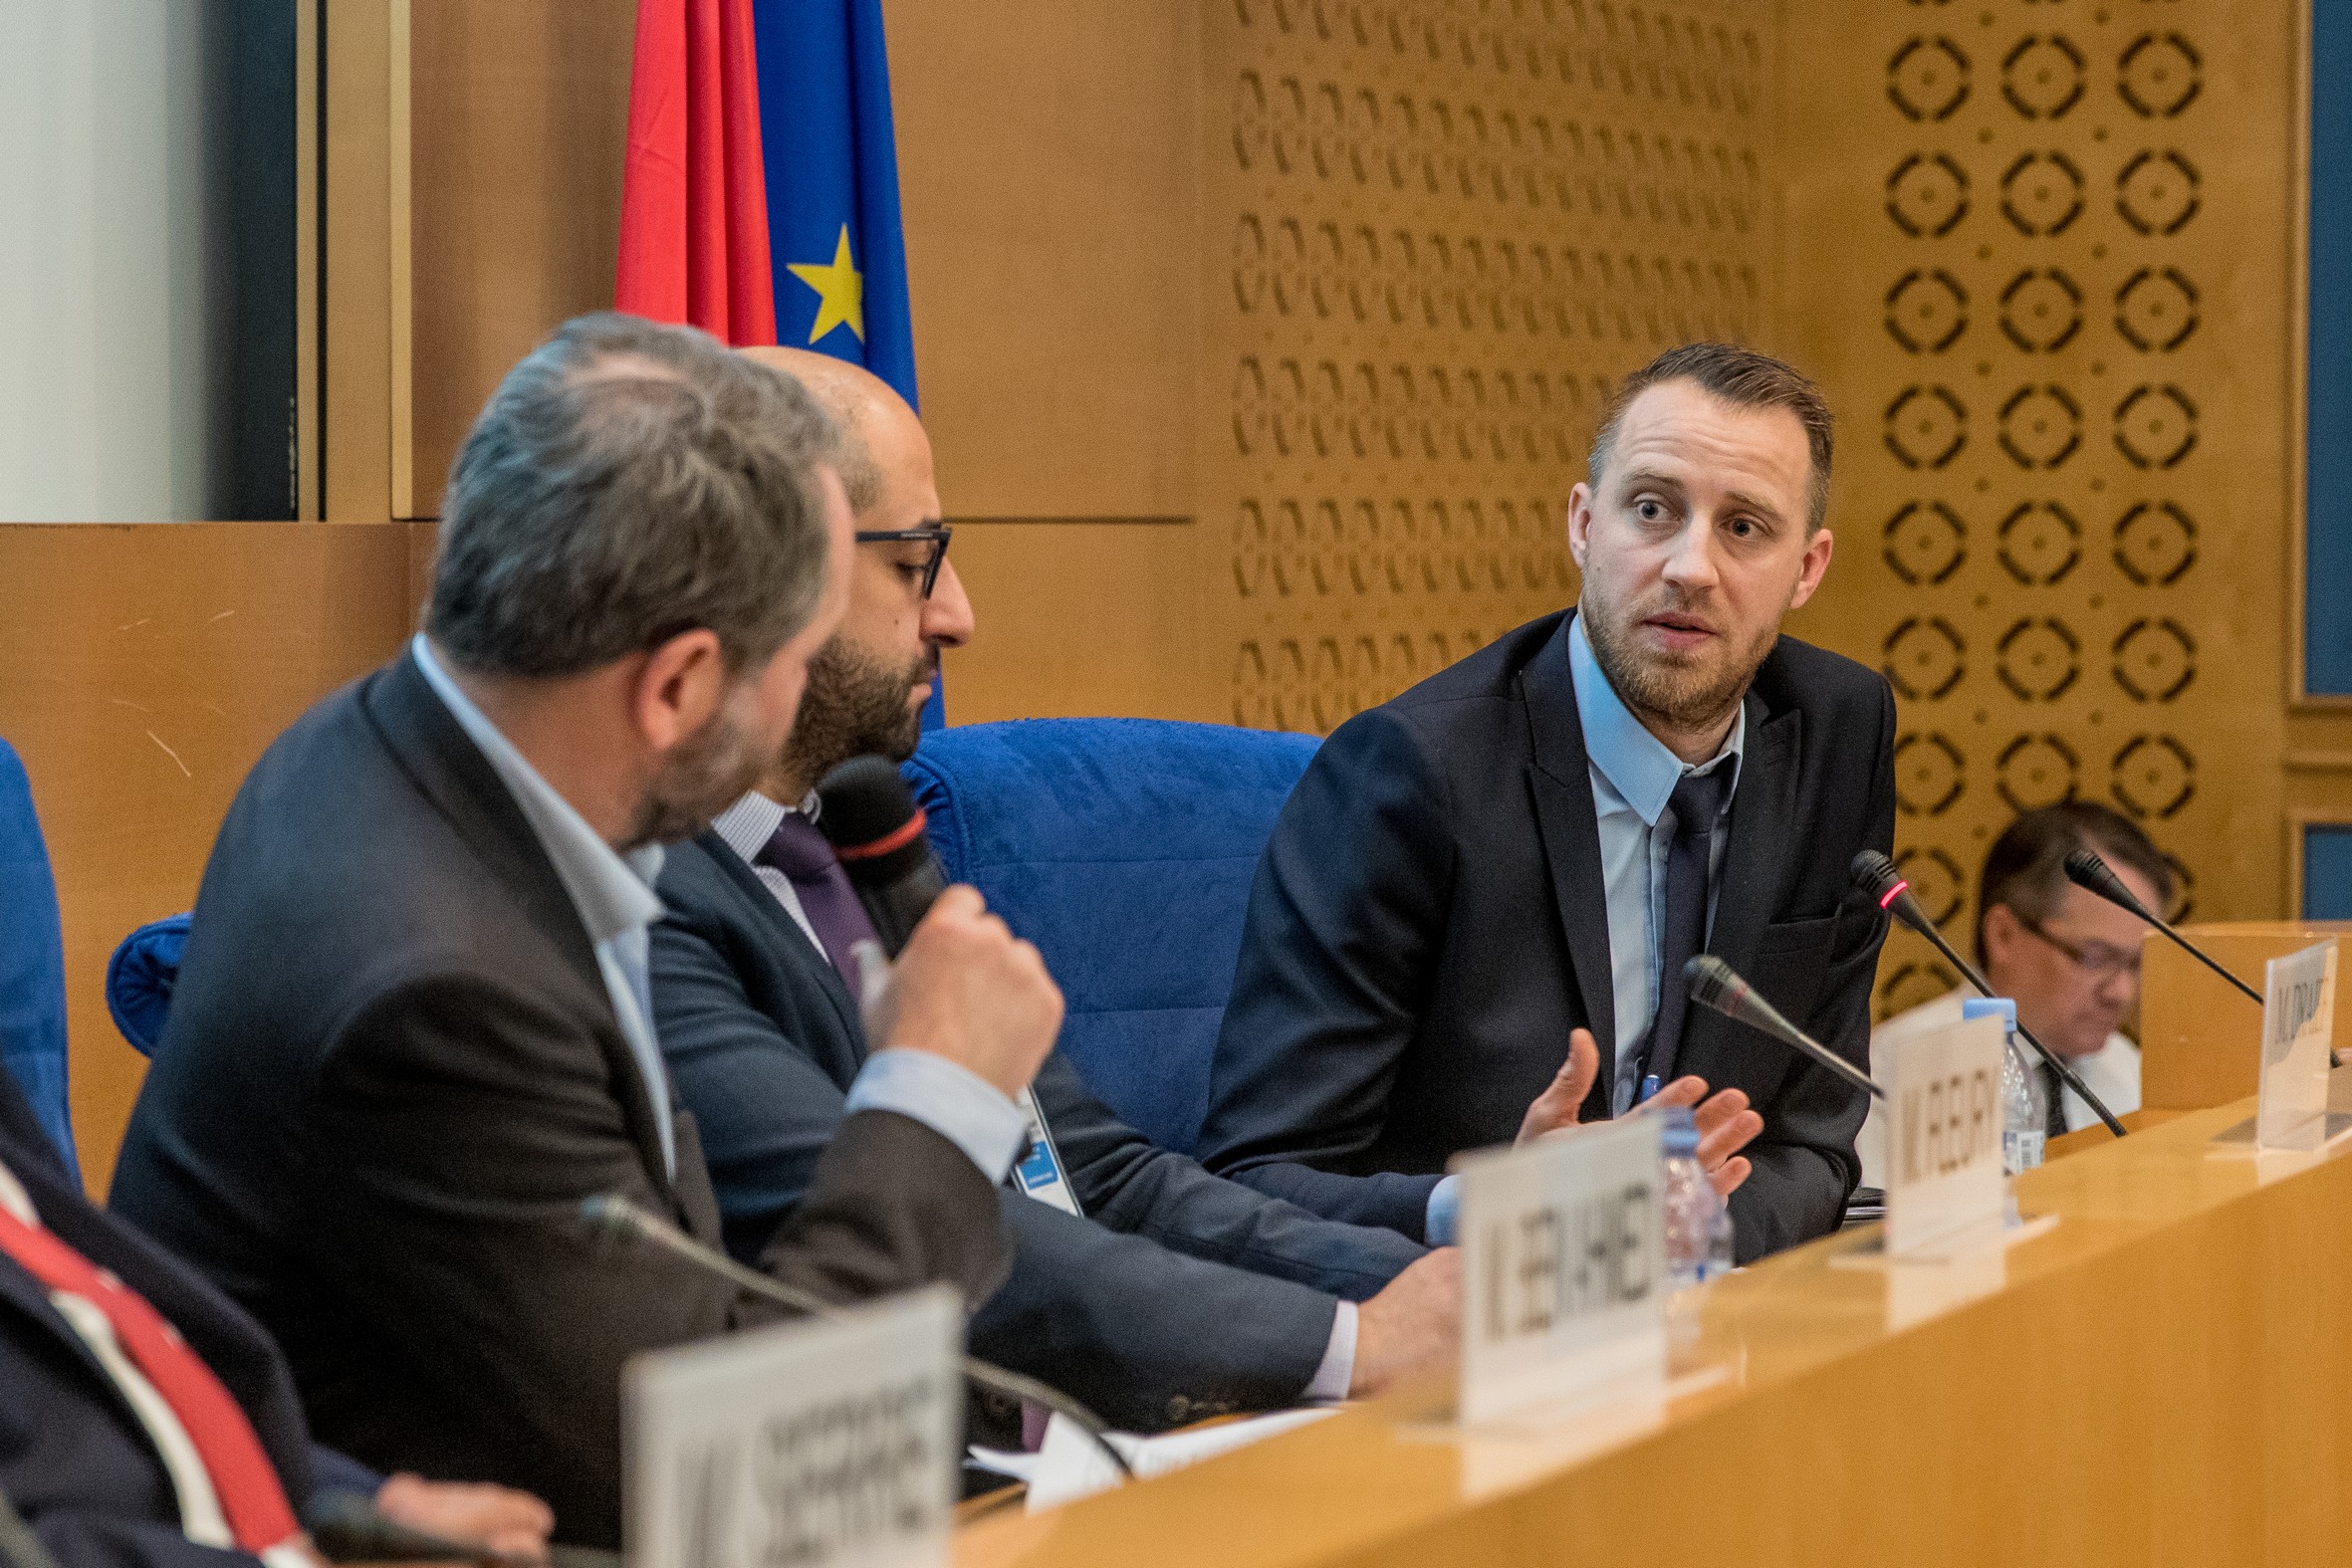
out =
column 201, row 1519
column 746, row 826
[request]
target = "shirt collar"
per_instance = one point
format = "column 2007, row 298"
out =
column 1638, row 765
column 612, row 892
column 748, row 824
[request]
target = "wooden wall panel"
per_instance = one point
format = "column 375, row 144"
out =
column 1053, row 232
column 1437, row 235
column 2043, row 260
column 519, row 116
column 142, row 670
column 356, row 337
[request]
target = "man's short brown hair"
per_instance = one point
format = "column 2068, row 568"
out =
column 2025, row 870
column 1744, row 378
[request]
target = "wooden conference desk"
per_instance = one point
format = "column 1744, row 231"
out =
column 2164, row 1378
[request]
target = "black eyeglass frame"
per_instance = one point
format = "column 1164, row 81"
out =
column 2080, row 957
column 936, row 535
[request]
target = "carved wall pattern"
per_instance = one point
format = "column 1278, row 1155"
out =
column 1453, row 223
column 2051, row 483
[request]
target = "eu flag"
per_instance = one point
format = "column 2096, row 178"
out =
column 832, row 184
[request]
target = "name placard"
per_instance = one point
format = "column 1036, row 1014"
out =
column 816, row 1443
column 2298, row 1019
column 1944, row 1135
column 1564, row 1268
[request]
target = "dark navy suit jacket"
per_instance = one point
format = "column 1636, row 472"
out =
column 73, row 1457
column 1428, row 924
column 1180, row 1295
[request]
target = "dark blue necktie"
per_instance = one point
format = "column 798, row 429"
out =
column 1698, row 801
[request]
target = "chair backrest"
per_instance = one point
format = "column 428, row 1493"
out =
column 1124, row 849
column 32, row 960
column 139, row 978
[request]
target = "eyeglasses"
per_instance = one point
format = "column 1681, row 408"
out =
column 935, row 535
column 2095, row 959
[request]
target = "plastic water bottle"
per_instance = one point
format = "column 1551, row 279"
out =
column 2025, row 1113
column 1698, row 1220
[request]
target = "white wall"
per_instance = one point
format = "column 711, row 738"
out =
column 102, row 261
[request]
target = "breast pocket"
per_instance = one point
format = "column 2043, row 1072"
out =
column 1792, row 960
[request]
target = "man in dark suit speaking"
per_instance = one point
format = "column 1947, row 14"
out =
column 1512, row 860
column 412, row 1032
column 1152, row 1290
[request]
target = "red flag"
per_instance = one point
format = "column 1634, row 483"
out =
column 694, row 198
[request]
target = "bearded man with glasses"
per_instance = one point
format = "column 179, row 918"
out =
column 2071, row 959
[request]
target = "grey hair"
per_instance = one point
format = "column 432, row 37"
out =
column 628, row 482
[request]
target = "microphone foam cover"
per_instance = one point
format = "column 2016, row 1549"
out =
column 862, row 800
column 1874, row 874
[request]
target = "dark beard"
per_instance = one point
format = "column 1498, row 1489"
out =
column 1681, row 698
column 854, row 707
column 707, row 772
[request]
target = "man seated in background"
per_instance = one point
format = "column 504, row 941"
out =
column 144, row 1419
column 1513, row 861
column 2069, row 958
column 411, row 1033
column 1151, row 1290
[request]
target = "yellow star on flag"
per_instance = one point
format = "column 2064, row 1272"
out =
column 841, row 291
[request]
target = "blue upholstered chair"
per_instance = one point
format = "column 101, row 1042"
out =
column 1124, row 848
column 139, row 978
column 32, row 960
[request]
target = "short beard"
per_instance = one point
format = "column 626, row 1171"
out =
column 1680, row 698
column 854, row 705
column 703, row 774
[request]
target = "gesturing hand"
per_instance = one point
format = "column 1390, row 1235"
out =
column 1555, row 1108
column 1726, row 1126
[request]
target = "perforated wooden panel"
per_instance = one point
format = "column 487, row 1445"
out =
column 2040, row 252
column 1451, row 224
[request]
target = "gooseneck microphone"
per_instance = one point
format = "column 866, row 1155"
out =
column 2093, row 875
column 1712, row 984
column 1876, row 875
column 611, row 1216
column 869, row 817
column 345, row 1529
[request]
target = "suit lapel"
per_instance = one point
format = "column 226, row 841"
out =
column 791, row 944
column 450, row 771
column 1560, row 781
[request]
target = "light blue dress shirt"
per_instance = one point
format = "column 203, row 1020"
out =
column 1633, row 776
column 613, row 893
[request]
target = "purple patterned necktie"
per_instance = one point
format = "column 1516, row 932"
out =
column 801, row 852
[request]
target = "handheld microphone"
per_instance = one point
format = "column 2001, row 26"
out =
column 1712, row 984
column 869, row 817
column 345, row 1529
column 1876, row 875
column 2093, row 875
column 609, row 1216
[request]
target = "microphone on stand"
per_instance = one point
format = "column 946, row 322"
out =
column 609, row 1216
column 2093, row 875
column 1876, row 875
column 1712, row 984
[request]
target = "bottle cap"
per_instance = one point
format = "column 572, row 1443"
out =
column 1682, row 1133
column 2002, row 1008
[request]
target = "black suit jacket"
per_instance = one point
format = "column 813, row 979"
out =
column 393, row 1072
column 1180, row 1295
column 72, row 1455
column 1428, row 924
